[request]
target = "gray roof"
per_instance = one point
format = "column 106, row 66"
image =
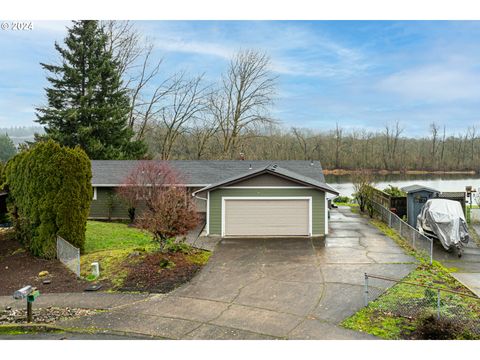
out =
column 416, row 188
column 273, row 168
column 203, row 173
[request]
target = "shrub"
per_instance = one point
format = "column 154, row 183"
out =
column 50, row 193
column 394, row 191
column 432, row 328
column 342, row 199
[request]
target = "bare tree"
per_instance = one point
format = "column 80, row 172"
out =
column 185, row 103
column 139, row 71
column 338, row 138
column 392, row 136
column 243, row 98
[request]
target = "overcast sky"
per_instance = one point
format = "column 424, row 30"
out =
column 357, row 73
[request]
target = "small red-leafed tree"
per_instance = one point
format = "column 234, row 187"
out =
column 158, row 191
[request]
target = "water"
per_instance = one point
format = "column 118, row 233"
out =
column 445, row 182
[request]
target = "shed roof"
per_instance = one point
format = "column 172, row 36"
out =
column 417, row 188
column 275, row 170
column 201, row 173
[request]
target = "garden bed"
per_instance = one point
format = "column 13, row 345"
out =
column 129, row 261
column 18, row 268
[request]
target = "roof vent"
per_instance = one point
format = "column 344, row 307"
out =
column 274, row 166
column 311, row 162
column 250, row 167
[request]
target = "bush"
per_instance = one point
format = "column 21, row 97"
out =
column 432, row 328
column 50, row 192
column 342, row 199
column 394, row 191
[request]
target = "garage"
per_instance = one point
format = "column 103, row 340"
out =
column 268, row 202
column 267, row 216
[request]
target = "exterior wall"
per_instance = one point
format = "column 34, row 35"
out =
column 318, row 205
column 107, row 201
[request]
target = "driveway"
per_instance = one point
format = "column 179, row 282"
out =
column 268, row 289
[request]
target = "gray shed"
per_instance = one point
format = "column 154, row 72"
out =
column 417, row 196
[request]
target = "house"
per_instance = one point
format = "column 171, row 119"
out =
column 236, row 198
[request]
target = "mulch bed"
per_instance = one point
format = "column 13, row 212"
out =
column 147, row 275
column 18, row 268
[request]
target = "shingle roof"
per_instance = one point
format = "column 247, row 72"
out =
column 204, row 172
column 415, row 188
column 273, row 168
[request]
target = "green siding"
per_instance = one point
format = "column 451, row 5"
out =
column 99, row 208
column 318, row 205
column 106, row 200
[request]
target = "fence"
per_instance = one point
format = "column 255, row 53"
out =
column 414, row 301
column 69, row 255
column 417, row 241
column 399, row 203
column 475, row 216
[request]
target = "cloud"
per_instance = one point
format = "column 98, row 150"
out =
column 179, row 44
column 295, row 50
column 434, row 83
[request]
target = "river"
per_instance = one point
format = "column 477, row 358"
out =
column 444, row 182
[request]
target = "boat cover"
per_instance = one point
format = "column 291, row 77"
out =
column 446, row 220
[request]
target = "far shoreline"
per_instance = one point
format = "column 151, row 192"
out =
column 397, row 172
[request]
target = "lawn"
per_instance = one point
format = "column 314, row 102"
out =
column 102, row 235
column 404, row 310
column 130, row 260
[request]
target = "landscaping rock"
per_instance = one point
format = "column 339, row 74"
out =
column 43, row 273
column 42, row 315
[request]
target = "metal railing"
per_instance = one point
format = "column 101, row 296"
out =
column 69, row 255
column 415, row 301
column 419, row 242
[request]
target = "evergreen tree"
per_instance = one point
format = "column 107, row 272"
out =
column 7, row 148
column 87, row 104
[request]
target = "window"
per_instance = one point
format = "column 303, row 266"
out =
column 94, row 193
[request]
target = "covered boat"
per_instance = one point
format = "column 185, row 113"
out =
column 444, row 220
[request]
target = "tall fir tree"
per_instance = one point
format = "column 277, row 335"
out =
column 87, row 103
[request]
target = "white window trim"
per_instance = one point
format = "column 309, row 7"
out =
column 326, row 215
column 208, row 213
column 94, row 193
column 309, row 198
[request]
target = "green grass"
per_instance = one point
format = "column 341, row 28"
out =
column 379, row 318
column 112, row 244
column 350, row 204
column 102, row 236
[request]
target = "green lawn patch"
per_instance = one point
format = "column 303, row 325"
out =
column 402, row 310
column 129, row 259
column 102, row 235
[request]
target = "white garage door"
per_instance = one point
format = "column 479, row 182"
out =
column 268, row 217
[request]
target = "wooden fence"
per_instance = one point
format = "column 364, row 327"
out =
column 397, row 204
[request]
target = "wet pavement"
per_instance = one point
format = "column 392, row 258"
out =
column 269, row 288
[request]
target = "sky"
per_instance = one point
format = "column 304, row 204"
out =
column 359, row 74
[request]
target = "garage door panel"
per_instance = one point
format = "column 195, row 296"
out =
column 267, row 217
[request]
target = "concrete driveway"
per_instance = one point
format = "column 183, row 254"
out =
column 267, row 289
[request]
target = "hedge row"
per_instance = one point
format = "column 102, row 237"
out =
column 50, row 190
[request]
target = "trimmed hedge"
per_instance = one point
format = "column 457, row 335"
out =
column 50, row 191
